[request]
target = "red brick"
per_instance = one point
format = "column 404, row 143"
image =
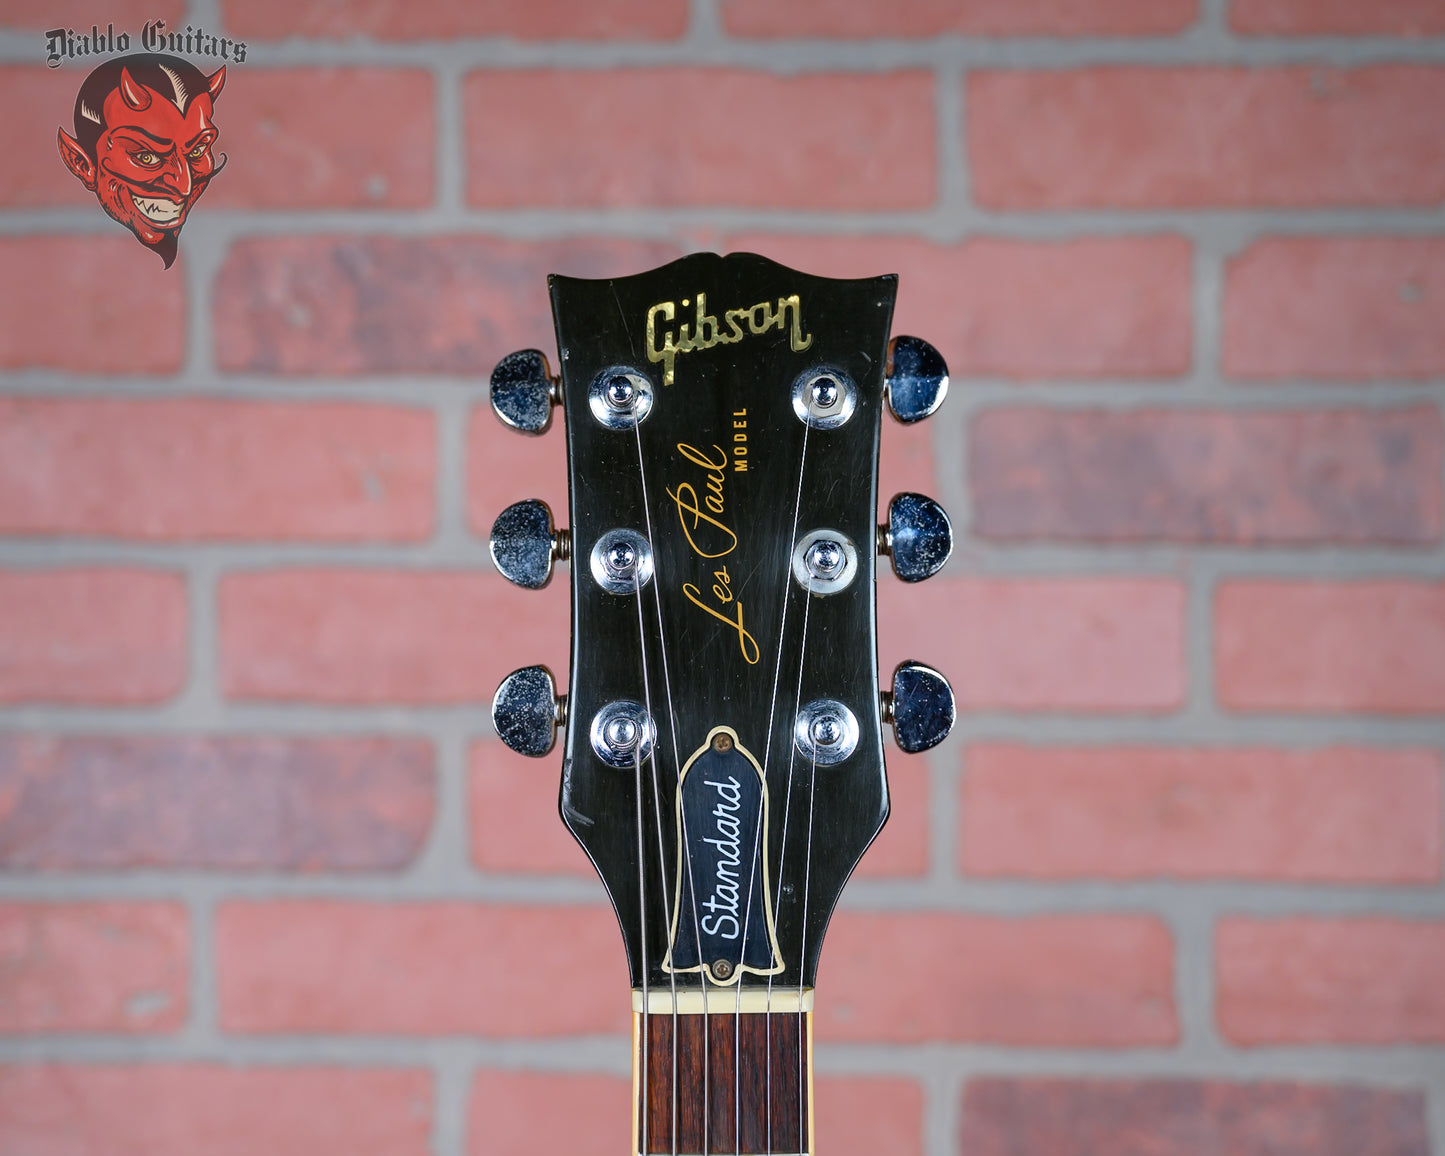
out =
column 517, row 1114
column 514, row 819
column 902, row 848
column 1337, row 17
column 33, row 174
column 377, row 124
column 1128, row 137
column 1062, row 1117
column 385, row 305
column 905, row 462
column 1335, row 307
column 126, row 15
column 514, row 1114
column 232, row 802
column 104, row 635
column 216, row 470
column 1345, row 981
column 1338, row 815
column 1085, row 308
column 98, row 304
column 1077, row 644
column 373, row 636
column 811, row 141
column 1056, row 980
column 325, row 138
column 460, row 19
column 504, row 466
column 420, row 969
column 93, row 967
column 183, row 1109
column 1195, row 476
column 863, row 1116
column 1375, row 646
column 861, row 19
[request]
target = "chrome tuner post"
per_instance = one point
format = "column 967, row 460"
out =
column 917, row 538
column 825, row 561
column 524, row 544
column 524, row 391
column 621, row 562
column 916, row 380
column 620, row 398
column 920, row 707
column 824, row 398
column 526, row 711
column 826, row 732
column 623, row 734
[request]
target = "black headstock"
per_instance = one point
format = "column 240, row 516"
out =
column 723, row 748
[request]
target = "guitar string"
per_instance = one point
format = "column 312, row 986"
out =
column 646, row 1061
column 782, row 859
column 807, row 877
column 684, row 859
column 758, row 850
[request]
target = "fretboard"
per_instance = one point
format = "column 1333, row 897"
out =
column 726, row 1082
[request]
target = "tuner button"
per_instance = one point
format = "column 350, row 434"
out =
column 918, row 537
column 524, row 543
column 917, row 378
column 524, row 391
column 526, row 711
column 920, row 708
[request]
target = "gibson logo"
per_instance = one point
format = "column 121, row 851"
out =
column 711, row 538
column 705, row 332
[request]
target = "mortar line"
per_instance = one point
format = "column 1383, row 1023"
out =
column 1201, row 44
column 451, row 155
column 452, row 1074
column 943, row 1110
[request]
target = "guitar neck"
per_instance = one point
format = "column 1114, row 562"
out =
column 737, row 1078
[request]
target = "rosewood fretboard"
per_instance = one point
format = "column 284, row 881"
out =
column 743, row 1083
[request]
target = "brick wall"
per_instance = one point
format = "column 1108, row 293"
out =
column 1175, row 883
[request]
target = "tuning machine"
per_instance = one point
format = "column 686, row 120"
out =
column 524, row 391
column 526, row 711
column 916, row 379
column 525, row 543
column 917, row 538
column 920, row 707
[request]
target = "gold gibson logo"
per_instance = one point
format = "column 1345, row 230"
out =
column 705, row 332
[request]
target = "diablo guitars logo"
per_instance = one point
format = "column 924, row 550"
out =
column 144, row 141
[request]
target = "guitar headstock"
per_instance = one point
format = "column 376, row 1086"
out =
column 723, row 730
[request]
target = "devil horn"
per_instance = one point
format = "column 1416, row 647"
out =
column 216, row 81
column 133, row 94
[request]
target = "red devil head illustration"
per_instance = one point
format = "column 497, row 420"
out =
column 142, row 143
